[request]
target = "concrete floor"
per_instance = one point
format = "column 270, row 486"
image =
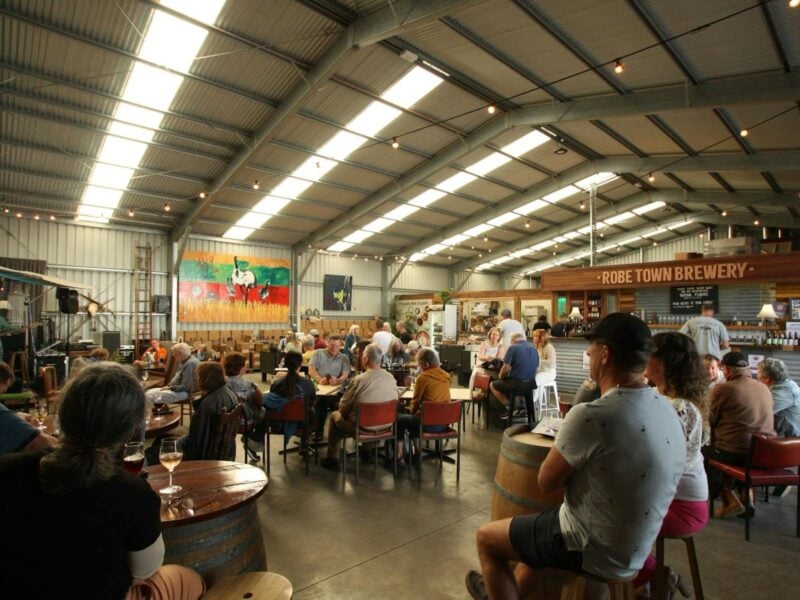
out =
column 407, row 538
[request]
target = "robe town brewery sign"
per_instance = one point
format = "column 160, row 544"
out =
column 672, row 273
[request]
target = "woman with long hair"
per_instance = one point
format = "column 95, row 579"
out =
column 216, row 397
column 397, row 356
column 351, row 339
column 97, row 528
column 490, row 349
column 676, row 370
column 546, row 373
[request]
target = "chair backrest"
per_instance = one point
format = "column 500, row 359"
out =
column 48, row 375
column 564, row 407
column 223, row 445
column 441, row 413
column 482, row 382
column 774, row 452
column 294, row 410
column 376, row 414
column 169, row 371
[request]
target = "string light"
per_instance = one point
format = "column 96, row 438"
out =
column 651, row 178
column 724, row 213
column 486, row 238
column 255, row 185
column 794, row 3
column 527, row 224
column 756, row 222
column 618, row 67
column 130, row 213
column 52, row 217
column 6, row 210
column 491, row 109
column 583, row 205
column 167, row 207
column 201, row 195
column 744, row 133
column 19, row 215
column 36, row 217
column 395, row 143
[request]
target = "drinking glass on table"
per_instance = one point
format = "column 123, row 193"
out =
column 133, row 457
column 170, row 455
column 42, row 411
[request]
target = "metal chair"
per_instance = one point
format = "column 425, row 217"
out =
column 441, row 414
column 294, row 410
column 771, row 461
column 371, row 415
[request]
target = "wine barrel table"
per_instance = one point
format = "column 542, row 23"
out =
column 516, row 490
column 159, row 424
column 212, row 525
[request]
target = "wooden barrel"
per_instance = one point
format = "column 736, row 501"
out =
column 516, row 490
column 220, row 547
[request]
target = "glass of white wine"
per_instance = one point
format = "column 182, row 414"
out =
column 170, row 455
column 42, row 410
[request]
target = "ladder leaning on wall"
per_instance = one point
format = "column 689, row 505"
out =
column 142, row 295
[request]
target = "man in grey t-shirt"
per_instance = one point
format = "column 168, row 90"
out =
column 619, row 459
column 509, row 327
column 709, row 335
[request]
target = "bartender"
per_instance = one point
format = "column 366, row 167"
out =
column 5, row 307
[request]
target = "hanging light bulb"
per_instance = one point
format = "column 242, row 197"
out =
column 756, row 222
column 794, row 3
column 491, row 109
column 130, row 213
column 651, row 178
column 724, row 213
column 255, row 185
column 618, row 67
column 583, row 205
column 480, row 255
column 6, row 210
column 744, row 133
column 19, row 215
column 52, row 217
column 527, row 224
column 395, row 143
column 201, row 195
column 486, row 238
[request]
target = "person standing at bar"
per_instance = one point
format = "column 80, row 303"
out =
column 709, row 335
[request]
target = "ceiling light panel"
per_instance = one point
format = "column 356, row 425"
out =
column 525, row 144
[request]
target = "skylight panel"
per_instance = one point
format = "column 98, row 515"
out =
column 477, row 230
column 597, row 179
column 121, row 152
column 110, row 176
column 484, row 266
column 342, row 145
column 401, row 212
column 314, row 168
column 252, row 220
column 531, row 207
column 412, row 87
column 526, row 143
column 564, row 192
column 238, row 233
column 205, row 11
column 378, row 225
column 270, row 205
column 459, row 180
column 521, row 253
column 649, row 208
column 427, row 198
column 679, row 225
column 503, row 219
column 339, row 246
column 291, row 187
column 434, row 249
column 620, row 218
column 357, row 236
column 172, row 42
column 143, row 117
column 151, row 86
column 502, row 260
column 373, row 118
column 456, row 239
column 542, row 245
column 98, row 198
column 416, row 256
column 488, row 164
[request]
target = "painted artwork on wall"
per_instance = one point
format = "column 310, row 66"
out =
column 227, row 288
column 337, row 292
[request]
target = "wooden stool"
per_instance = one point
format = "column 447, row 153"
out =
column 259, row 585
column 19, row 364
column 660, row 583
column 575, row 586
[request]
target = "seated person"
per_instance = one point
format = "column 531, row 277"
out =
column 98, row 355
column 245, row 391
column 773, row 373
column 432, row 385
column 308, row 349
column 518, row 373
column 102, row 524
column 397, row 357
column 217, row 396
column 594, row 530
column 328, row 366
column 206, row 352
column 154, row 356
column 351, row 339
column 182, row 383
column 16, row 433
column 412, row 348
column 546, row 372
column 373, row 385
column 715, row 374
column 490, row 349
column 319, row 341
column 358, row 351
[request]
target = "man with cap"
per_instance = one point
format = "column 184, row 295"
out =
column 318, row 341
column 619, row 459
column 709, row 335
column 739, row 408
column 509, row 327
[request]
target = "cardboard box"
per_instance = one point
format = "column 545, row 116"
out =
column 687, row 255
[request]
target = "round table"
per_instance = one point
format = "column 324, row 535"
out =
column 212, row 525
column 160, row 423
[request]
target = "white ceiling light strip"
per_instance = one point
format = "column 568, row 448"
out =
column 494, row 161
column 405, row 92
column 173, row 43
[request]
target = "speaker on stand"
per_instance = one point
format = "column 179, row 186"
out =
column 112, row 341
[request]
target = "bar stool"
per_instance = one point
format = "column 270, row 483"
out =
column 19, row 364
column 660, row 582
column 543, row 398
column 575, row 586
column 527, row 397
column 259, row 585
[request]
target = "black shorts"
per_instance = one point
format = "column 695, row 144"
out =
column 538, row 541
column 509, row 386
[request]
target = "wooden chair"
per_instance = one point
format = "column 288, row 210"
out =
column 575, row 586
column 482, row 384
column 374, row 414
column 50, row 385
column 771, row 461
column 441, row 414
column 224, row 440
column 294, row 410
column 18, row 361
column 660, row 584
column 258, row 585
column 159, row 377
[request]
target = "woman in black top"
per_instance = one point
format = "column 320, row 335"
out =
column 216, row 397
column 97, row 527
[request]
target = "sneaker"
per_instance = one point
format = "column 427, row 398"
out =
column 504, row 416
column 475, row 586
column 331, row 464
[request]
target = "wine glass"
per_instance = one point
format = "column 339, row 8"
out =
column 42, row 412
column 145, row 374
column 170, row 455
column 133, row 457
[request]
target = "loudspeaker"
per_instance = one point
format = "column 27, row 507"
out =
column 112, row 341
column 162, row 304
column 67, row 300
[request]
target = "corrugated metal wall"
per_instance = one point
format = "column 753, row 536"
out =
column 663, row 252
column 96, row 256
column 418, row 278
column 740, row 301
column 366, row 285
column 479, row 282
column 569, row 363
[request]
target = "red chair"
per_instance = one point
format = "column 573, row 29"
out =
column 294, row 410
column 441, row 414
column 772, row 461
column 374, row 414
column 482, row 384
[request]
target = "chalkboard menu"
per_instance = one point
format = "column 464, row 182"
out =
column 687, row 300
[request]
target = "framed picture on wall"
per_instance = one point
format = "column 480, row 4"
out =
column 337, row 292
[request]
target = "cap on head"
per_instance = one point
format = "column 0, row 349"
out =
column 622, row 330
column 734, row 359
